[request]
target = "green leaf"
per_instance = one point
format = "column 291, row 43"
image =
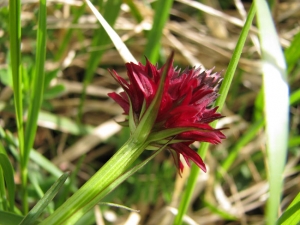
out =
column 162, row 9
column 38, row 80
column 130, row 172
column 15, row 67
column 36, row 211
column 8, row 218
column 292, row 214
column 5, row 77
column 8, row 173
column 76, row 14
column 245, row 139
column 54, row 91
column 216, row 210
column 295, row 97
column 292, row 53
column 64, row 124
column 92, row 191
column 111, row 10
column 276, row 108
column 118, row 206
column 185, row 201
column 45, row 163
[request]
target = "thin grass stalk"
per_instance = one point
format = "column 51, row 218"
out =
column 67, row 37
column 234, row 151
column 97, row 186
column 111, row 11
column 16, row 68
column 276, row 108
column 35, row 103
column 161, row 16
column 37, row 85
column 219, row 102
column 134, row 10
column 3, row 205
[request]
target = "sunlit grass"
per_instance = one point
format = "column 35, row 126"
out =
column 61, row 86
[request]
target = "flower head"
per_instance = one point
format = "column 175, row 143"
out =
column 178, row 106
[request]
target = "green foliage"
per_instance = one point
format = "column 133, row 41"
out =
column 291, row 54
column 292, row 213
column 30, row 92
column 276, row 112
column 99, row 40
column 36, row 211
column 162, row 9
column 7, row 177
column 219, row 102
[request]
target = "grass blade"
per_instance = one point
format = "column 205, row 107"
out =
column 8, row 173
column 16, row 70
column 37, row 82
column 67, row 37
column 111, row 11
column 276, row 96
column 36, row 96
column 291, row 214
column 161, row 16
column 185, row 200
column 119, row 44
column 43, row 203
column 8, row 218
column 292, row 54
column 234, row 151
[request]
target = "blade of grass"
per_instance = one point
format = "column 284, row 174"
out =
column 67, row 189
column 37, row 82
column 8, row 173
column 246, row 138
column 111, row 11
column 185, row 200
column 15, row 68
column 35, row 156
column 68, row 35
column 295, row 97
column 134, row 10
column 119, row 44
column 34, row 213
column 276, row 96
column 219, row 212
column 56, row 122
column 34, row 181
column 79, row 213
column 37, row 93
column 3, row 202
column 8, row 218
column 292, row 53
column 291, row 214
column 161, row 16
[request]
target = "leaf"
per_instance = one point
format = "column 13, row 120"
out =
column 8, row 218
column 292, row 53
column 276, row 107
column 8, row 173
column 36, row 211
column 291, row 214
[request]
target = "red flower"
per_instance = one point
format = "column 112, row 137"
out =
column 182, row 113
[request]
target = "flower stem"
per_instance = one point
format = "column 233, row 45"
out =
column 91, row 192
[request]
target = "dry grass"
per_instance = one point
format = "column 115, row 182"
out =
column 207, row 40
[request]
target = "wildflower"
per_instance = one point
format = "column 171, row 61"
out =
column 181, row 107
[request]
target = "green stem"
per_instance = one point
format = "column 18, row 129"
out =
column 15, row 66
column 92, row 191
column 219, row 102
